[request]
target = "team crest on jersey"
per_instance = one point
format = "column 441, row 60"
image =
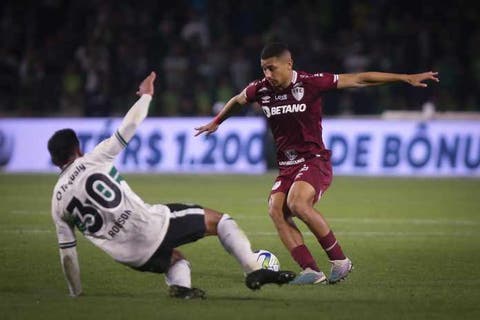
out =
column 297, row 93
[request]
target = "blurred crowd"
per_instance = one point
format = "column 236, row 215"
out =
column 85, row 58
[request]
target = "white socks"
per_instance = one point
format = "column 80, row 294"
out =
column 179, row 274
column 236, row 243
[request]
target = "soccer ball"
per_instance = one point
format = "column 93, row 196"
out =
column 267, row 260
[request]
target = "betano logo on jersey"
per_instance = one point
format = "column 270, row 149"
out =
column 288, row 108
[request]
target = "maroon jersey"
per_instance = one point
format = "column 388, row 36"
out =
column 295, row 114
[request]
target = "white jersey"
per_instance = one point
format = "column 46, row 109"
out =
column 92, row 196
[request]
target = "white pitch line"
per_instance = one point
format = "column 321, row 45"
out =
column 383, row 221
column 406, row 221
column 28, row 212
column 359, row 220
column 20, row 231
column 399, row 234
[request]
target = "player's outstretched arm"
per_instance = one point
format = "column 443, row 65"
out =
column 71, row 270
column 365, row 79
column 138, row 112
column 227, row 110
column 109, row 148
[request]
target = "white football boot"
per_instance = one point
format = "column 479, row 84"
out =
column 340, row 270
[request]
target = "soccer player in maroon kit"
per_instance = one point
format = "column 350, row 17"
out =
column 292, row 103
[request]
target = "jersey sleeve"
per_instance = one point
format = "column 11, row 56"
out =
column 324, row 81
column 65, row 232
column 250, row 92
column 108, row 149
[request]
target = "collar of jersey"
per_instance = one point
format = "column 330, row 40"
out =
column 294, row 77
column 66, row 167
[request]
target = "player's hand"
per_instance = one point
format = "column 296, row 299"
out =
column 208, row 128
column 417, row 80
column 146, row 87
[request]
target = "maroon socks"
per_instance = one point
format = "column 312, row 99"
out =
column 304, row 258
column 332, row 248
column 329, row 243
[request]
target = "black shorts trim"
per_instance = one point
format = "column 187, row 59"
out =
column 175, row 207
column 187, row 225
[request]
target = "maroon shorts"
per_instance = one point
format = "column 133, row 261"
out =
column 315, row 171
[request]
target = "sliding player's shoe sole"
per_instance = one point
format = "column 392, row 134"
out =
column 186, row 293
column 256, row 279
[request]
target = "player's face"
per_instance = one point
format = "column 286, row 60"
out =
column 277, row 70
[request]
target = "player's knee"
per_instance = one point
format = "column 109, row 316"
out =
column 176, row 256
column 280, row 217
column 275, row 212
column 212, row 218
column 299, row 208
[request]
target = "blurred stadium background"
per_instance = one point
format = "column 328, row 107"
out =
column 414, row 240
column 83, row 58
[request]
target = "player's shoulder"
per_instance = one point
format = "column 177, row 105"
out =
column 61, row 180
column 259, row 84
column 58, row 194
column 306, row 76
column 319, row 80
column 56, row 187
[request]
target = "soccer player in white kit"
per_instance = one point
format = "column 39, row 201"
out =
column 91, row 196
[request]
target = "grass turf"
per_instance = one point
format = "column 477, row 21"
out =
column 415, row 244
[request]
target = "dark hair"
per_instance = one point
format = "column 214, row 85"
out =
column 274, row 49
column 62, row 145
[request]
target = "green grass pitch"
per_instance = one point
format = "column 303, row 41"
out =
column 415, row 244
